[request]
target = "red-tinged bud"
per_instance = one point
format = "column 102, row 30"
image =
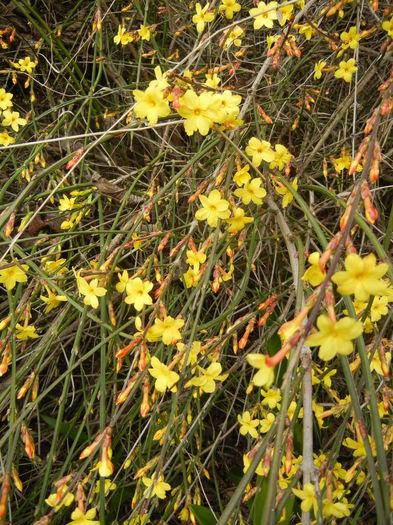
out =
column 145, row 405
column 27, row 441
column 98, row 20
column 330, row 248
column 249, row 329
column 142, row 357
column 122, row 397
column 146, row 213
column 106, row 467
column 10, row 225
column 216, row 279
column 285, row 349
column 5, row 489
column 362, row 430
column 164, row 242
column 111, row 312
column 26, row 386
column 175, row 250
column 6, row 359
column 333, row 10
column 34, row 389
column 265, row 117
column 383, row 360
column 371, row 122
column 295, row 49
column 249, row 494
column 86, row 452
column 183, row 429
column 275, row 47
column 386, row 106
column 325, row 169
column 220, row 177
column 198, row 192
column 233, row 69
column 267, row 303
column 361, row 151
column 119, row 365
column 288, row 169
column 75, row 159
column 189, row 172
column 330, row 302
column 385, row 85
column 276, row 59
column 3, row 324
column 385, row 397
column 235, row 345
column 374, row 170
column 242, row 238
column 80, row 497
column 16, row 479
column 295, row 123
column 159, row 291
column 374, row 5
column 124, row 351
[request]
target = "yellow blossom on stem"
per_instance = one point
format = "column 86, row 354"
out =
column 212, row 80
column 346, row 70
column 248, row 425
column 5, row 99
column 286, row 12
column 264, row 14
column 334, row 337
column 259, row 150
column 229, row 7
column 26, row 64
column 207, row 380
column 122, row 37
column 167, row 330
column 281, row 157
column 150, row 104
column 144, row 32
column 66, row 204
column 308, row 497
column 52, row 300
column 165, row 378
column 53, row 499
column 267, row 422
column 234, row 37
column 362, row 277
column 313, row 274
column 195, row 258
column 242, row 176
column 202, row 17
column 199, row 111
column 12, row 275
column 318, row 67
column 83, row 518
column 155, row 487
column 251, row 191
column 12, row 118
column 387, row 26
column 338, row 509
column 271, row 398
column 286, row 194
column 6, row 139
column 25, row 332
column 265, row 374
column 192, row 277
column 91, row 291
column 123, row 280
column 238, row 221
column 138, row 293
column 213, row 208
column 350, row 38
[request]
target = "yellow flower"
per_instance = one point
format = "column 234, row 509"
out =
column 251, row 191
column 227, row 106
column 160, row 81
column 202, row 17
column 66, row 204
column 123, row 280
column 91, row 291
column 53, row 499
column 286, row 12
column 207, row 381
column 168, row 330
column 267, row 422
column 346, row 70
column 286, row 193
column 83, row 518
column 212, row 80
column 318, row 69
column 138, row 293
column 313, row 274
column 165, row 378
column 155, row 487
column 242, row 176
column 12, row 118
column 25, row 332
column 150, row 104
column 335, row 337
column 248, row 425
column 122, row 37
column 271, row 398
column 195, row 258
column 363, row 277
column 5, row 139
column 376, row 364
column 338, row 509
column 305, row 29
column 264, row 14
column 359, row 450
column 281, row 157
column 26, row 64
column 379, row 308
column 259, row 150
column 308, row 497
column 230, row 7
column 387, row 26
column 238, row 221
column 265, row 374
column 12, row 275
column 350, row 38
column 192, row 277
column 213, row 208
column 198, row 110
column 5, row 99
column 52, row 300
column 234, row 37
column 195, row 350
column 144, row 33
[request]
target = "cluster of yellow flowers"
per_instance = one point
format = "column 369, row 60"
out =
column 10, row 119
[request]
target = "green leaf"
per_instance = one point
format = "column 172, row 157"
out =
column 203, row 515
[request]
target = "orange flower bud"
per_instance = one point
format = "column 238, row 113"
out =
column 164, row 242
column 5, row 489
column 198, row 192
column 145, row 405
column 75, row 159
column 6, row 359
column 27, row 441
column 26, row 386
column 16, row 479
column 265, row 117
column 10, row 225
column 86, row 452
